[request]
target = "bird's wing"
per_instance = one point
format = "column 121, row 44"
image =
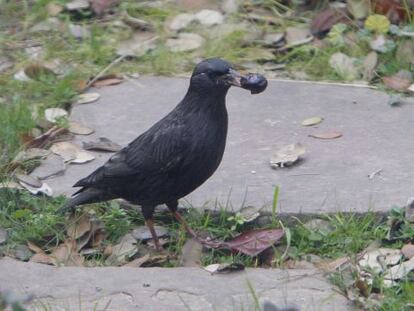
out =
column 159, row 150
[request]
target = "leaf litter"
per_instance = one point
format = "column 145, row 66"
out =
column 102, row 144
column 326, row 135
column 287, row 155
column 71, row 153
column 87, row 98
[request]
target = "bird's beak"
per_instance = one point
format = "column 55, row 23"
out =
column 232, row 78
column 255, row 83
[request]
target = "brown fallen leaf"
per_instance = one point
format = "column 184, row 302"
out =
column 336, row 265
column 254, row 242
column 103, row 144
column 37, row 71
column 78, row 226
column 138, row 262
column 46, row 138
column 71, row 152
column 66, row 254
column 408, row 251
column 394, row 10
column 326, row 19
column 326, row 135
column 100, row 6
column 108, row 80
column 363, row 287
column 108, row 250
column 397, row 83
column 79, row 129
column 42, row 258
column 34, row 248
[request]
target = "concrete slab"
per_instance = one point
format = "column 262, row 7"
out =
column 159, row 289
column 333, row 175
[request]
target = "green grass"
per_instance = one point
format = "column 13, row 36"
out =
column 33, row 218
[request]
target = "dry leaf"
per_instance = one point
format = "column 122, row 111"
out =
column 326, row 135
column 78, row 226
column 287, row 155
column 79, row 129
column 71, row 153
column 324, row 20
column 44, row 189
column 138, row 262
column 368, row 66
column 106, row 81
column 185, row 42
column 363, row 287
column 31, row 154
column 42, row 258
column 181, row 21
column 37, row 71
column 138, row 45
column 312, row 121
column 53, row 9
column 29, row 180
column 377, row 23
column 254, row 242
column 87, row 98
column 336, row 265
column 224, row 268
column 76, row 5
column 358, row 8
column 53, row 114
column 103, row 144
column 378, row 259
column 123, row 251
column 34, row 248
column 400, row 271
column 46, row 138
column 296, row 35
column 100, row 6
column 394, row 10
column 344, row 66
column 66, row 254
column 408, row 251
column 397, row 82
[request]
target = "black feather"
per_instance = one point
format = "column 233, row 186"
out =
column 175, row 156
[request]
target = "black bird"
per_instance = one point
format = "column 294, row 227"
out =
column 177, row 154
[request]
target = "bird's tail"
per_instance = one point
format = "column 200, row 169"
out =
column 87, row 196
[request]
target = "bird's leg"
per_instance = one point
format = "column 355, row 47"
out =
column 184, row 224
column 173, row 208
column 148, row 211
column 150, row 225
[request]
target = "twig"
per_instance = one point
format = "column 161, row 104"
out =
column 377, row 172
column 100, row 74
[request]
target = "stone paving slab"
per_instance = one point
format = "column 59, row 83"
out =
column 333, row 175
column 162, row 289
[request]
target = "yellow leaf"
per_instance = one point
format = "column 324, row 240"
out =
column 377, row 23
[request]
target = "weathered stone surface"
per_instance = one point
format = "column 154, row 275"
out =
column 162, row 289
column 333, row 175
column 51, row 166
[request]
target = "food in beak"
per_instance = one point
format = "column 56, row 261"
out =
column 253, row 82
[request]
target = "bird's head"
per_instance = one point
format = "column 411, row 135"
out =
column 217, row 75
